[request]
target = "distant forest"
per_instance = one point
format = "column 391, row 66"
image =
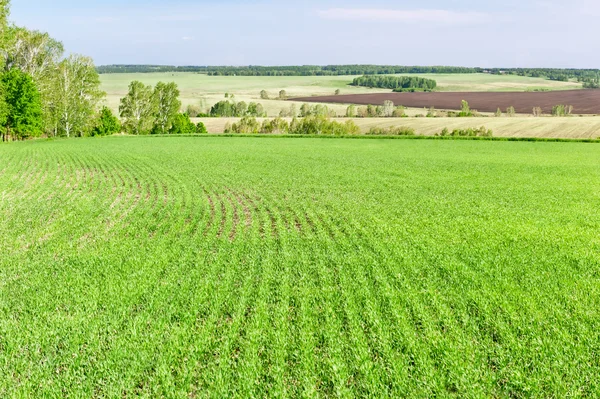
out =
column 588, row 76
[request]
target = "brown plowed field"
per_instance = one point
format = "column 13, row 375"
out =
column 583, row 101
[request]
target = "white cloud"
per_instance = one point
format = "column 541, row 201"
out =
column 422, row 15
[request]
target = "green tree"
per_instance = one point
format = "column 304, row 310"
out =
column 264, row 95
column 182, row 125
column 106, row 123
column 241, row 109
column 138, row 108
column 201, row 128
column 223, row 109
column 78, row 94
column 351, row 111
column 166, row 98
column 371, row 111
column 282, row 94
column 22, row 106
column 465, row 109
column 338, row 92
column 305, row 110
column 256, row 110
column 4, row 12
column 510, row 111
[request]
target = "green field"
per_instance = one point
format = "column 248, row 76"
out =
column 278, row 267
column 196, row 88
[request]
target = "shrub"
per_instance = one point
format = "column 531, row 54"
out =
column 316, row 125
column 537, row 111
column 498, row 113
column 276, row 125
column 465, row 110
column 182, row 125
column 468, row 132
column 562, row 110
column 201, row 128
column 432, row 113
column 510, row 111
column 351, row 111
column 399, row 112
column 247, row 125
column 106, row 123
column 392, row 131
column 264, row 95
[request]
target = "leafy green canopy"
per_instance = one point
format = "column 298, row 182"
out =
column 23, row 106
column 106, row 124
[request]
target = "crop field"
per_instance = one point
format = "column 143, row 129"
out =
column 583, row 101
column 208, row 90
column 587, row 127
column 280, row 267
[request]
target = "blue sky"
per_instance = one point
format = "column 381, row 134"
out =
column 527, row 33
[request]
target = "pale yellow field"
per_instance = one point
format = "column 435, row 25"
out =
column 521, row 126
column 200, row 89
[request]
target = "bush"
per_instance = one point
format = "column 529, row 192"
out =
column 277, row 125
column 182, row 125
column 562, row 110
column 106, row 123
column 432, row 113
column 201, row 128
column 468, row 132
column 264, row 95
column 247, row 125
column 392, row 131
column 399, row 112
column 317, row 125
column 465, row 110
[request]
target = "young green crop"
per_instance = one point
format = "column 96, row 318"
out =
column 241, row 267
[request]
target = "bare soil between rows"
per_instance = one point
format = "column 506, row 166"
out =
column 583, row 101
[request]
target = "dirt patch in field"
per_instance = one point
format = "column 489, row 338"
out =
column 583, row 101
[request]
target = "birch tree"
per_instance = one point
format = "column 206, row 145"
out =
column 138, row 108
column 166, row 98
column 78, row 94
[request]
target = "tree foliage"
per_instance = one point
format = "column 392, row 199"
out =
column 182, row 125
column 22, row 106
column 138, row 109
column 396, row 83
column 168, row 105
column 78, row 94
column 106, row 123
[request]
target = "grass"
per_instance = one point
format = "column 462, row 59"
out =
column 587, row 127
column 211, row 89
column 237, row 267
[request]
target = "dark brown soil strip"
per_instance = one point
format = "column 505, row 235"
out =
column 583, row 101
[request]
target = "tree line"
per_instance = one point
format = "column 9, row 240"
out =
column 309, row 125
column 155, row 110
column 396, row 83
column 41, row 91
column 300, row 70
column 559, row 74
